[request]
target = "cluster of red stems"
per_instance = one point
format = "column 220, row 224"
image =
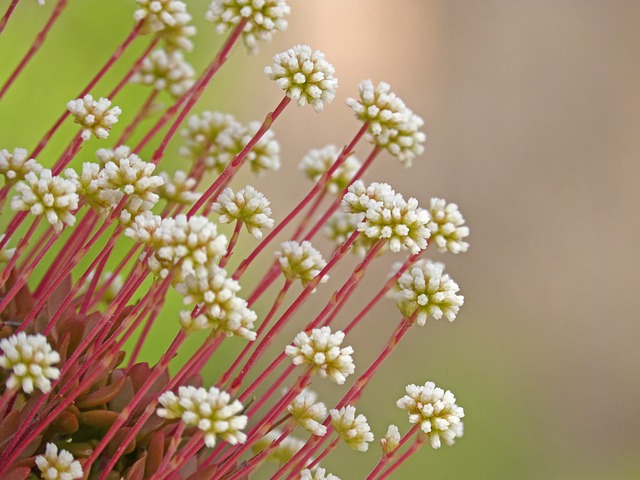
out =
column 102, row 407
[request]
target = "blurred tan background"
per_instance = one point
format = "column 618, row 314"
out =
column 532, row 110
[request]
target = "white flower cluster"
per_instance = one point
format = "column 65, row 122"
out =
column 388, row 216
column 95, row 117
column 436, row 412
column 300, row 261
column 317, row 161
column 317, row 474
column 447, row 226
column 48, row 195
column 248, row 206
column 14, row 166
column 58, row 465
column 222, row 310
column 341, row 225
column 391, row 440
column 264, row 18
column 215, row 138
column 354, row 430
column 179, row 189
column 309, row 414
column 392, row 125
column 284, row 451
column 322, row 351
column 212, row 411
column 425, row 289
column 192, row 242
column 305, row 76
column 122, row 173
column 30, row 359
column 166, row 71
column 159, row 14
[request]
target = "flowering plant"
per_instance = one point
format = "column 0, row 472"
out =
column 75, row 403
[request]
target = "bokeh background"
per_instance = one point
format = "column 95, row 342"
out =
column 532, row 112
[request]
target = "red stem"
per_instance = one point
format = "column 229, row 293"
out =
column 115, row 56
column 276, row 304
column 236, row 163
column 420, row 439
column 7, row 15
column 128, row 131
column 317, row 188
column 386, row 458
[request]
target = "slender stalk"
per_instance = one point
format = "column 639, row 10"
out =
column 60, row 6
column 142, row 113
column 92, row 83
column 232, row 243
column 420, row 439
column 190, row 98
column 274, row 308
column 7, row 15
column 252, row 464
column 310, row 287
column 387, row 457
column 236, row 163
column 317, row 188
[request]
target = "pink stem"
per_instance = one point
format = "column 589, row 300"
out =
column 317, row 188
column 36, row 44
column 420, row 439
column 115, row 56
column 387, row 457
column 252, row 464
column 232, row 243
column 190, row 97
column 276, row 304
column 336, row 204
column 7, row 15
column 387, row 286
column 283, row 319
column 236, row 163
column 142, row 113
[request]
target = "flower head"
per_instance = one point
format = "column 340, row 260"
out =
column 30, row 359
column 425, row 290
column 223, row 311
column 391, row 440
column 14, row 166
column 193, row 242
column 58, row 465
column 211, row 137
column 401, row 222
column 248, row 206
column 178, row 35
column 379, row 106
column 166, row 71
column 447, row 226
column 264, row 18
column 300, row 261
column 309, row 414
column 392, row 125
column 318, row 161
column 90, row 185
column 305, row 76
column 212, row 411
column 265, row 155
column 159, row 14
column 322, row 351
column 436, row 412
column 95, row 117
column 317, row 474
column 178, row 189
column 353, row 429
column 53, row 197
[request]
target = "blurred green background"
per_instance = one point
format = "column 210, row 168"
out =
column 532, row 112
